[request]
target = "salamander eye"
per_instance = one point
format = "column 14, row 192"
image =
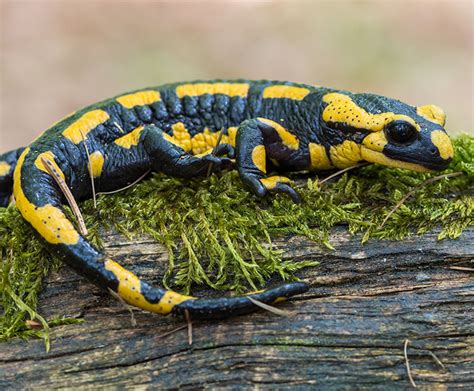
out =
column 401, row 132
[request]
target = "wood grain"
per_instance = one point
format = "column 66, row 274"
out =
column 349, row 330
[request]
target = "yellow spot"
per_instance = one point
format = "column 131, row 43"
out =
column 48, row 220
column 342, row 109
column 50, row 156
column 375, row 141
column 129, row 289
column 206, row 141
column 379, row 158
column 4, row 168
column 78, row 130
column 97, row 163
column 271, row 182
column 141, row 98
column 287, row 138
column 202, row 143
column 130, row 139
column 259, row 158
column 319, row 157
column 182, row 136
column 441, row 141
column 282, row 91
column 231, row 89
column 432, row 113
column 346, row 154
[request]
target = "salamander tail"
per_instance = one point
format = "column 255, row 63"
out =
column 39, row 200
column 7, row 166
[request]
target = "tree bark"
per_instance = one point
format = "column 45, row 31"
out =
column 348, row 332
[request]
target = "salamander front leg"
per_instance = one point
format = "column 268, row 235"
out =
column 168, row 157
column 253, row 139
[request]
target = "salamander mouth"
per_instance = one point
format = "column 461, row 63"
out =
column 380, row 158
column 428, row 164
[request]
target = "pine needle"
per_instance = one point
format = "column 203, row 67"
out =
column 190, row 327
column 126, row 187
column 420, row 186
column 67, row 193
column 91, row 174
column 407, row 363
column 272, row 309
column 341, row 172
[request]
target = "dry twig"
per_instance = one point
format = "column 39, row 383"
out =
column 271, row 309
column 341, row 172
column 48, row 164
column 126, row 187
column 190, row 327
column 182, row 327
column 421, row 185
column 91, row 174
column 407, row 363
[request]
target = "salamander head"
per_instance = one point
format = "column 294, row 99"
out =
column 390, row 132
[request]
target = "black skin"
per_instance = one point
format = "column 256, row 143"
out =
column 155, row 152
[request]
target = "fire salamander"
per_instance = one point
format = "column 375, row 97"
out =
column 268, row 128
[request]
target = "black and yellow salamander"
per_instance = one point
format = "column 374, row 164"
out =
column 268, row 128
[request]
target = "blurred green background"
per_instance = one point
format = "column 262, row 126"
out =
column 58, row 56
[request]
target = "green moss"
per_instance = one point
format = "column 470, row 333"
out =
column 219, row 235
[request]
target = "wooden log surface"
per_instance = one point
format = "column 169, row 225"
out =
column 348, row 332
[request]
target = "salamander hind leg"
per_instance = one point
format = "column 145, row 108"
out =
column 166, row 155
column 255, row 143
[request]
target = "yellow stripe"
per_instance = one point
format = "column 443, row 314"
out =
column 282, row 91
column 49, row 221
column 139, row 99
column 129, row 289
column 231, row 89
column 287, row 138
column 130, row 139
column 78, row 130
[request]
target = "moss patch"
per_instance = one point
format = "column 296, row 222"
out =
column 219, row 235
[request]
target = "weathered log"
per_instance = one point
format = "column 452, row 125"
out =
column 349, row 331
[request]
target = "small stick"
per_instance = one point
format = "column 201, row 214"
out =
column 341, row 172
column 126, row 187
column 119, row 127
column 408, row 364
column 427, row 182
column 190, row 327
column 437, row 360
column 90, row 171
column 462, row 268
column 271, row 309
column 173, row 331
column 67, row 193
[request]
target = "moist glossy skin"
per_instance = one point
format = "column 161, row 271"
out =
column 189, row 129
